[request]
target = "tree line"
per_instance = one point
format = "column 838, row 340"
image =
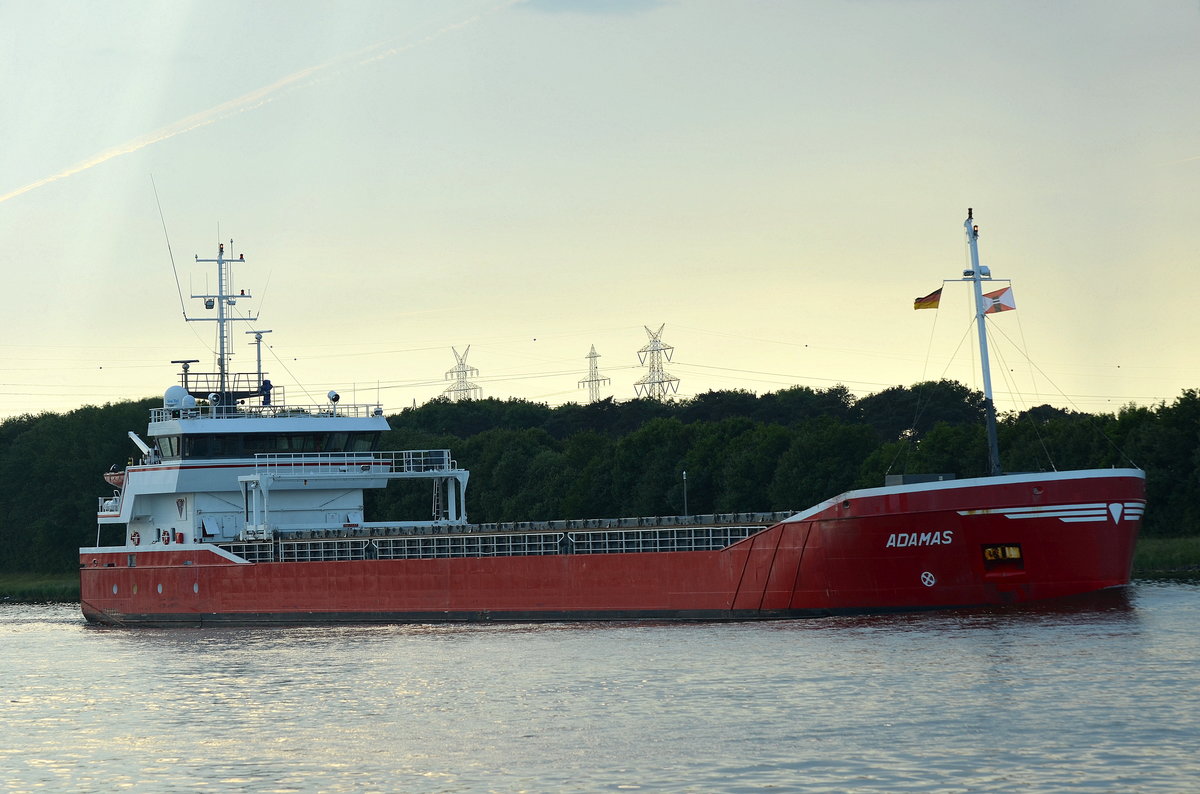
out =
column 742, row 452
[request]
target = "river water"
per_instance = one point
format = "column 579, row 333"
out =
column 1100, row 694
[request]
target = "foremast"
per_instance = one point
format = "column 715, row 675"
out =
column 976, row 275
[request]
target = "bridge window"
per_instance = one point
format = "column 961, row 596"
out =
column 169, row 446
column 245, row 445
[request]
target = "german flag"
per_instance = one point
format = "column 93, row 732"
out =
column 930, row 301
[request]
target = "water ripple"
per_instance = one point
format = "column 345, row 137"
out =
column 1096, row 695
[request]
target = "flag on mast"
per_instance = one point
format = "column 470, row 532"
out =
column 930, row 301
column 999, row 301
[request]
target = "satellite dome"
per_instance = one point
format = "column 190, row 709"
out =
column 173, row 397
column 188, row 402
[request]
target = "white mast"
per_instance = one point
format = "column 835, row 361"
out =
column 976, row 275
column 258, row 335
column 220, row 301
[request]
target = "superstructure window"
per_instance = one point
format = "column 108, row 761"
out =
column 169, row 446
column 363, row 442
column 245, row 445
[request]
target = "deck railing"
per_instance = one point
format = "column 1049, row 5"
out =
column 413, row 461
column 357, row 411
column 444, row 546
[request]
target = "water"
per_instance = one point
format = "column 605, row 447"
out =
column 1095, row 695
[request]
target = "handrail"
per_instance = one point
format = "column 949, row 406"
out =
column 402, row 461
column 354, row 411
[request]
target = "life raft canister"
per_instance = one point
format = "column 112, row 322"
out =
column 166, row 536
column 135, row 538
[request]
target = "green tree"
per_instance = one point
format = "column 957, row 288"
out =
column 822, row 461
column 902, row 411
column 648, row 464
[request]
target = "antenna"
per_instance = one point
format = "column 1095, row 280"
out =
column 593, row 381
column 461, row 388
column 222, row 301
column 187, row 364
column 258, row 335
column 170, row 253
column 657, row 382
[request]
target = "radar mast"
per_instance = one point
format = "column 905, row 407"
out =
column 223, row 301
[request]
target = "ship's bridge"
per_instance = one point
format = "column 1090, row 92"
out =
column 252, row 430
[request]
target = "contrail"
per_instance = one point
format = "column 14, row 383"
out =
column 254, row 99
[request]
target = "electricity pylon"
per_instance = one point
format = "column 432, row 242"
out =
column 461, row 388
column 594, row 380
column 657, row 382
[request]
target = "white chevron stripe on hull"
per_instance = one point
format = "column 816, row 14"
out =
column 1093, row 511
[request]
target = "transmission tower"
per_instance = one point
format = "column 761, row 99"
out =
column 461, row 388
column 657, row 382
column 594, row 380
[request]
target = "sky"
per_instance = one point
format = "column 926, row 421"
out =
column 775, row 182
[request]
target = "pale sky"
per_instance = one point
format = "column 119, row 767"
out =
column 774, row 181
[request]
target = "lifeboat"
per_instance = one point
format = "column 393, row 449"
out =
column 115, row 478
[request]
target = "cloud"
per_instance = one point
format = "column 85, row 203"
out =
column 255, row 99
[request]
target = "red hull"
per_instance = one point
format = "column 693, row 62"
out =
column 908, row 547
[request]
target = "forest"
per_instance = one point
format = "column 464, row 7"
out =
column 742, row 452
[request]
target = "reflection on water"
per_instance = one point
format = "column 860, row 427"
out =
column 1091, row 694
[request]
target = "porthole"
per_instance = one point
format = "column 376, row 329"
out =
column 135, row 589
column 114, row 589
column 160, row 589
column 196, row 587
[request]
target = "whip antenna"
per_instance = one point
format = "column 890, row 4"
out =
column 170, row 253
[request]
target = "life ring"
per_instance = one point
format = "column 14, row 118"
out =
column 135, row 538
column 166, row 536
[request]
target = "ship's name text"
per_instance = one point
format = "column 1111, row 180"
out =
column 902, row 540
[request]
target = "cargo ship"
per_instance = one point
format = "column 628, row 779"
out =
column 245, row 509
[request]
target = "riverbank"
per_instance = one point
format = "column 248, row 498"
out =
column 1157, row 557
column 39, row 587
column 1154, row 558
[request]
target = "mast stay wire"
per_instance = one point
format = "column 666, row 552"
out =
column 170, row 253
column 175, row 270
column 1023, row 406
column 904, row 450
column 1014, row 391
column 920, row 407
column 1090, row 418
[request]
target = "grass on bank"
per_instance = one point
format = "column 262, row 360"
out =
column 32, row 587
column 1167, row 556
column 1154, row 557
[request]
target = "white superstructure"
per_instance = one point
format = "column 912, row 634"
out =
column 227, row 459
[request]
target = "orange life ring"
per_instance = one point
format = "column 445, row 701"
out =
column 135, row 538
column 166, row 536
